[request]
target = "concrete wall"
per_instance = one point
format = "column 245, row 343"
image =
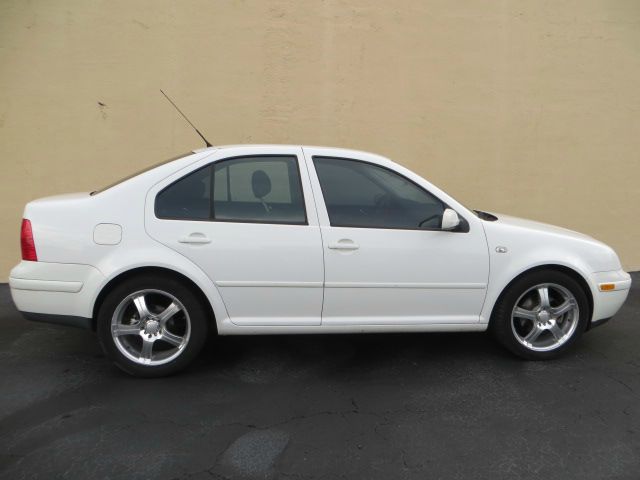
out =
column 524, row 107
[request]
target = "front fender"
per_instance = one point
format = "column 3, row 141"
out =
column 500, row 278
column 526, row 250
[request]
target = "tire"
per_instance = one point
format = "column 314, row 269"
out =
column 165, row 338
column 533, row 328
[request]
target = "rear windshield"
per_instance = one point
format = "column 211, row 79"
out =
column 139, row 172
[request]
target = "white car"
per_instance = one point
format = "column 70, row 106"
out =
column 269, row 239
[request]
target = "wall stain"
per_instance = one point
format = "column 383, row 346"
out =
column 140, row 24
column 103, row 109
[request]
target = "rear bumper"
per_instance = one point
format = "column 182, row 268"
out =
column 607, row 303
column 60, row 293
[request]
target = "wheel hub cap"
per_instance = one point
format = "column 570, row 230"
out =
column 151, row 327
column 543, row 318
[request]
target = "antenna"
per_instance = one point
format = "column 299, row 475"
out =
column 185, row 117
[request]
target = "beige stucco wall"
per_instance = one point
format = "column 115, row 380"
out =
column 525, row 107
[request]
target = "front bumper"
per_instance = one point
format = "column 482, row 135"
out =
column 61, row 293
column 606, row 303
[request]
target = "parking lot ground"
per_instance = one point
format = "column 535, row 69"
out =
column 422, row 406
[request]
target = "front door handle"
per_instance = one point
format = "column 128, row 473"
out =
column 344, row 244
column 197, row 238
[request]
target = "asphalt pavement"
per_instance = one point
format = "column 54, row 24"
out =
column 380, row 406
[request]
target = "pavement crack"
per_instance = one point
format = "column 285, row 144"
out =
column 621, row 383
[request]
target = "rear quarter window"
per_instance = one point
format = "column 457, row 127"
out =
column 188, row 198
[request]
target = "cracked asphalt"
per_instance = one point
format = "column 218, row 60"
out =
column 422, row 406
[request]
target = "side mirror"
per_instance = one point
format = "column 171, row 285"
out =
column 450, row 219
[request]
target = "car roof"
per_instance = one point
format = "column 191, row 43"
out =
column 263, row 145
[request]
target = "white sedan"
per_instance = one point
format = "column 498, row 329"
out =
column 269, row 239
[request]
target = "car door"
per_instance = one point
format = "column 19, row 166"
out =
column 386, row 259
column 246, row 217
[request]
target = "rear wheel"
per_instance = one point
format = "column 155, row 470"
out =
column 541, row 315
column 152, row 326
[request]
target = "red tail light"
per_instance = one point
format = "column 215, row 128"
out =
column 27, row 244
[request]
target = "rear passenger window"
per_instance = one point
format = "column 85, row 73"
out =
column 258, row 189
column 262, row 189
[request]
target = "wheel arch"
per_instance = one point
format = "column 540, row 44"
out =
column 122, row 276
column 577, row 276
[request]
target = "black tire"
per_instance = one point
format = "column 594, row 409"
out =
column 501, row 325
column 198, row 318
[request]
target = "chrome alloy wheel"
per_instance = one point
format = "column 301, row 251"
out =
column 545, row 317
column 150, row 327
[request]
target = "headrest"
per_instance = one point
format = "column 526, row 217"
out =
column 261, row 184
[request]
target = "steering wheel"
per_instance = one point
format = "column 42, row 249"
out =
column 428, row 219
column 382, row 200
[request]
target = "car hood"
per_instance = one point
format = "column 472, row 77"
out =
column 534, row 226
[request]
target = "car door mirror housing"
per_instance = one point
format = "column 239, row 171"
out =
column 450, row 220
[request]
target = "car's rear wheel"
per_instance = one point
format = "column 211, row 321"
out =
column 152, row 326
column 541, row 315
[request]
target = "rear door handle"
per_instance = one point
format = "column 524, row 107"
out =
column 344, row 244
column 195, row 238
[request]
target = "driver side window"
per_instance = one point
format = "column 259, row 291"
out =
column 361, row 194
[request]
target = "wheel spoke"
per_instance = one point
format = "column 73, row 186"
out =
column 119, row 330
column 567, row 306
column 533, row 335
column 141, row 306
column 524, row 313
column 556, row 332
column 146, row 352
column 167, row 313
column 171, row 338
column 544, row 297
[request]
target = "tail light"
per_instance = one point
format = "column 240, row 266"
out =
column 27, row 243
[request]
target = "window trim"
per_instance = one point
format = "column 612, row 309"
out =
column 211, row 192
column 462, row 228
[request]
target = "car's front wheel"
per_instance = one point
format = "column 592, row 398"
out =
column 541, row 315
column 152, row 326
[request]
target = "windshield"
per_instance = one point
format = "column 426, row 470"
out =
column 139, row 172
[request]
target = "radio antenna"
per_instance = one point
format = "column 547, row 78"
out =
column 188, row 121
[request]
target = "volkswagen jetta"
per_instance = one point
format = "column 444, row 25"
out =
column 286, row 239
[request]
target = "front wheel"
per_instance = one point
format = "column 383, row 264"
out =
column 541, row 315
column 152, row 326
